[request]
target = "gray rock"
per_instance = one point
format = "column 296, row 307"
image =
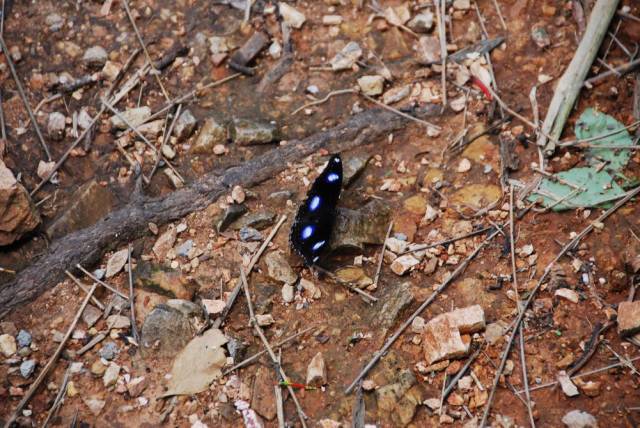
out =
column 265, row 294
column 87, row 205
column 257, row 220
column 279, row 269
column 211, row 134
column 185, row 125
column 391, row 303
column 188, row 308
column 27, row 368
column 184, row 248
column 231, row 214
column 245, row 132
column 579, row 419
column 347, row 57
column 91, row 315
column 422, row 22
column 248, row 234
column 165, row 331
column 18, row 215
column 23, row 338
column 134, row 116
column 109, row 351
column 55, row 125
column 54, row 22
column 288, row 293
column 95, row 57
column 281, row 196
column 368, row 225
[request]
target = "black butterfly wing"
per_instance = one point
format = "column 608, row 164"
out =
column 313, row 225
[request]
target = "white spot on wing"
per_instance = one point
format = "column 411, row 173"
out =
column 318, row 245
column 332, row 177
column 307, row 232
column 315, row 203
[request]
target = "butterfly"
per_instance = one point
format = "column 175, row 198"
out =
column 313, row 225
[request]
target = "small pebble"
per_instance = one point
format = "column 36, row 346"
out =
column 27, row 368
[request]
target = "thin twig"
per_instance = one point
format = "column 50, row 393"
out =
column 544, row 276
column 497, row 6
column 598, row 137
column 3, row 127
column 461, row 372
column 265, row 342
column 461, row 267
column 257, row 355
column 59, row 398
column 132, row 307
column 84, row 288
column 447, row 241
column 154, row 71
column 578, row 376
column 384, row 248
column 324, row 100
column 398, row 112
column 104, row 284
column 440, row 13
column 24, row 98
column 347, row 284
column 54, row 358
column 236, row 290
column 166, row 136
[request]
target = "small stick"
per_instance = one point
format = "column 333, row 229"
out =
column 346, row 284
column 323, row 100
column 265, row 342
column 84, row 288
column 623, row 360
column 545, row 274
column 384, row 248
column 190, row 94
column 104, row 284
column 461, row 267
column 59, row 398
column 45, row 371
column 154, row 71
column 598, row 137
column 132, row 163
column 617, row 71
column 278, row 393
column 236, row 290
column 24, row 98
column 497, row 6
column 3, row 128
column 448, row 241
column 257, row 355
column 166, row 137
column 589, row 373
column 93, row 342
column 132, row 308
column 440, row 13
column 553, row 177
column 399, row 113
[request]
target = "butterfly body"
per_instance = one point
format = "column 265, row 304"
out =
column 312, row 228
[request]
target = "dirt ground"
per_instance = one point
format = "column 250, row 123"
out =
column 413, row 170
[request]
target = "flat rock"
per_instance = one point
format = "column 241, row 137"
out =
column 391, row 303
column 629, row 318
column 263, row 398
column 95, row 57
column 288, row 293
column 394, row 95
column 27, row 368
column 137, row 385
column 165, row 242
column 213, row 307
column 56, row 124
column 116, row 262
column 23, row 338
column 245, row 132
column 119, row 322
column 279, row 269
column 88, row 204
column 166, row 331
column 422, row 22
column 134, row 116
column 229, row 216
column 371, row 85
column 352, row 167
column 91, row 315
column 258, row 220
column 211, row 134
column 347, row 57
column 163, row 280
column 317, row 371
column 355, row 228
column 291, row 16
column 567, row 294
column 110, row 376
column 579, row 419
column 442, row 338
column 95, row 404
column 185, row 125
column 18, row 214
column 8, row 345
column 568, row 387
column 404, row 264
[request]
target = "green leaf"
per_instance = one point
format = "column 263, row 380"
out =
column 593, row 123
column 598, row 186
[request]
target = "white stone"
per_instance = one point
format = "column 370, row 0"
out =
column 214, row 307
column 8, row 345
column 288, row 293
column 265, row 320
column 347, row 57
column 110, row 376
column 291, row 16
column 317, row 371
column 568, row 294
column 396, row 245
column 464, row 165
column 403, row 264
column 371, row 85
column 579, row 419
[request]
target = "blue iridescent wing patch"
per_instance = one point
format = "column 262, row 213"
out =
column 313, row 225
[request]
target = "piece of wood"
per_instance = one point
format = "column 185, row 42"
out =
column 571, row 82
column 87, row 246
